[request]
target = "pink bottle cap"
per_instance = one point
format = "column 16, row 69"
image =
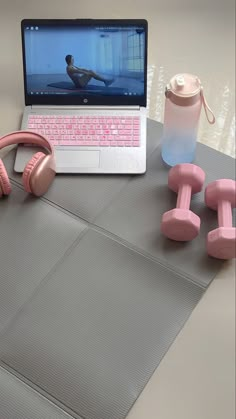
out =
column 184, row 89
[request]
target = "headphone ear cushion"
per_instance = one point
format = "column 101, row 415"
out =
column 5, row 186
column 29, row 168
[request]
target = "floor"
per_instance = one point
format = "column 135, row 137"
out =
column 41, row 83
column 196, row 378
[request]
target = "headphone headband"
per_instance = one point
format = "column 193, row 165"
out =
column 25, row 137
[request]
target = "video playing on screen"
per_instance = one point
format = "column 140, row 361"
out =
column 85, row 60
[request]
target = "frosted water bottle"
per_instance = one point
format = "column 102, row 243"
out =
column 183, row 104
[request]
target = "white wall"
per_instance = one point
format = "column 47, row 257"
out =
column 46, row 51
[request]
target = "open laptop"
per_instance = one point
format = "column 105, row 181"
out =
column 85, row 87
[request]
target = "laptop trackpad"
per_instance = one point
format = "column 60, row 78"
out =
column 77, row 159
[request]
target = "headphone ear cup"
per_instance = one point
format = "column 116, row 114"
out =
column 29, row 168
column 5, row 186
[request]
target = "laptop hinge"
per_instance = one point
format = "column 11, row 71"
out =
column 83, row 108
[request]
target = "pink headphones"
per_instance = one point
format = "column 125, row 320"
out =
column 39, row 171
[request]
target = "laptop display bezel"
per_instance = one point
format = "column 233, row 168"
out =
column 90, row 100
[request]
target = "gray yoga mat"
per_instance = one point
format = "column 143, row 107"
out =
column 94, row 333
column 89, row 308
column 20, row 401
column 34, row 238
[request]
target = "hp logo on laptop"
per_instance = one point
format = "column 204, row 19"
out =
column 85, row 100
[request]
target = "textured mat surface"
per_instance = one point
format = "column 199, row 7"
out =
column 89, row 308
column 95, row 332
column 19, row 401
column 34, row 237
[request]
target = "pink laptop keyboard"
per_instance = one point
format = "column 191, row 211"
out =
column 102, row 131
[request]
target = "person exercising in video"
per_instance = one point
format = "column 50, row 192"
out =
column 81, row 76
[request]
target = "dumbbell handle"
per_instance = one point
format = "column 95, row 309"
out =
column 184, row 197
column 224, row 214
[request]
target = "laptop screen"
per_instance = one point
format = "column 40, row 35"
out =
column 85, row 62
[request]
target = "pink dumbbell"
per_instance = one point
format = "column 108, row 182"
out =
column 221, row 196
column 181, row 223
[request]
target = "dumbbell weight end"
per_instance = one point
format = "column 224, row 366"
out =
column 220, row 196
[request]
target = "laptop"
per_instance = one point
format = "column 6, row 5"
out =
column 85, row 84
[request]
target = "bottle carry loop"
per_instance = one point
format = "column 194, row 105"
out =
column 207, row 108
